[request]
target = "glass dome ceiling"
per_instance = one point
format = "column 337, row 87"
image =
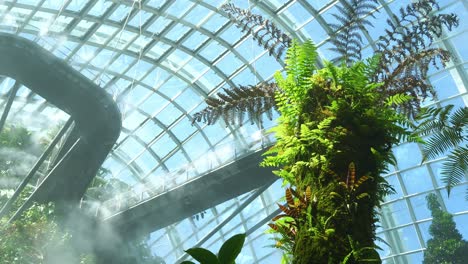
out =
column 160, row 59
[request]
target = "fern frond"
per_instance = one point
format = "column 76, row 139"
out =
column 431, row 112
column 448, row 129
column 300, row 60
column 433, row 120
column 265, row 32
column 440, row 143
column 404, row 54
column 409, row 77
column 398, row 99
column 459, row 119
column 347, row 37
column 233, row 104
column 455, row 168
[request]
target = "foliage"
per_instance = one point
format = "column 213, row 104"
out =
column 337, row 126
column 446, row 245
column 227, row 253
column 35, row 238
column 333, row 141
column 448, row 131
column 405, row 51
column 137, row 251
column 104, row 186
column 14, row 141
column 347, row 36
column 39, row 236
column 232, row 105
column 15, row 137
column 351, row 194
column 263, row 30
column 402, row 59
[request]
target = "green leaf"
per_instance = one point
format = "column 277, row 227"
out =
column 203, row 256
column 187, row 262
column 231, row 248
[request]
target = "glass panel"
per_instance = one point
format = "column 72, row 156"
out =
column 403, row 154
column 163, row 145
column 417, row 180
column 420, row 209
column 396, row 214
column 134, row 120
column 212, row 50
column 411, row 258
column 406, row 239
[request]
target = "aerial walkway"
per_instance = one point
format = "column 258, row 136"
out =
column 95, row 116
column 203, row 192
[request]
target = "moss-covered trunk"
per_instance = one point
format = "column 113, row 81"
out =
column 343, row 217
column 333, row 141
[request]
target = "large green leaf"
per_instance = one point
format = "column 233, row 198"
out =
column 231, row 248
column 203, row 256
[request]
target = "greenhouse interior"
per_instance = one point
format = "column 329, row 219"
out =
column 243, row 131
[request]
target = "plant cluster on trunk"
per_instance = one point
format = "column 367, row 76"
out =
column 337, row 124
column 333, row 142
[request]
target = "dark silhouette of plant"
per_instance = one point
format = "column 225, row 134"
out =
column 234, row 104
column 448, row 131
column 227, row 253
column 347, row 37
column 263, row 30
column 446, row 245
column 405, row 51
column 402, row 58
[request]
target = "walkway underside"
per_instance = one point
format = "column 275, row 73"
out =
column 193, row 197
column 97, row 119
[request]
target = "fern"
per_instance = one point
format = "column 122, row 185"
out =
column 455, row 168
column 448, row 131
column 300, row 60
column 398, row 99
column 232, row 105
column 432, row 119
column 347, row 36
column 263, row 30
column 405, row 55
